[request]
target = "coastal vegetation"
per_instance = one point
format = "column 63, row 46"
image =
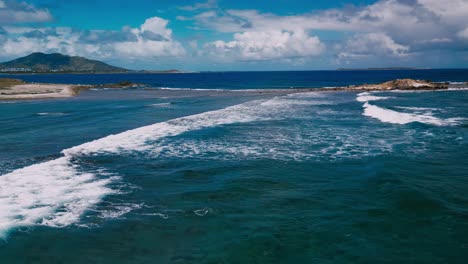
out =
column 39, row 62
column 6, row 83
column 52, row 63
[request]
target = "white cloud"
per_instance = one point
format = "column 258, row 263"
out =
column 12, row 12
column 203, row 5
column 146, row 46
column 152, row 39
column 267, row 45
column 463, row 33
column 158, row 26
column 384, row 31
column 404, row 24
column 372, row 44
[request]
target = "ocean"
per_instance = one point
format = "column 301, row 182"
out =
column 231, row 167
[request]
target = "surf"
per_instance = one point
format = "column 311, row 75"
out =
column 395, row 117
column 58, row 192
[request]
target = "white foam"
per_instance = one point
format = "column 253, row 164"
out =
column 51, row 114
column 291, row 102
column 136, row 139
column 426, row 109
column 119, row 210
column 190, row 89
column 161, row 104
column 286, row 143
column 419, row 114
column 394, row 117
column 52, row 193
column 458, row 89
column 56, row 193
column 367, row 97
column 307, row 95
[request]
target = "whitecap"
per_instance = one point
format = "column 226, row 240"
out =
column 161, row 104
column 307, row 95
column 56, row 193
column 420, row 109
column 51, row 114
column 458, row 89
column 136, row 139
column 419, row 114
column 52, row 193
column 189, row 89
column 367, row 97
column 395, row 117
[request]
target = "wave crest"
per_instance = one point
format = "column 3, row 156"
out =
column 395, row 117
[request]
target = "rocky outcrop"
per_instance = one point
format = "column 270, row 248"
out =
column 122, row 84
column 401, row 84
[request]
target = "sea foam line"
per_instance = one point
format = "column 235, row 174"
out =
column 395, row 117
column 51, row 193
column 56, row 193
column 367, row 97
column 136, row 139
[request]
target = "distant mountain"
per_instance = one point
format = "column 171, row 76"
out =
column 56, row 62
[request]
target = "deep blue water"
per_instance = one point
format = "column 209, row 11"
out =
column 206, row 176
column 254, row 80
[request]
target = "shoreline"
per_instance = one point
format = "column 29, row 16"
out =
column 13, row 89
column 39, row 91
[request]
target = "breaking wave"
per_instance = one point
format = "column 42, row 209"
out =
column 53, row 193
column 395, row 117
column 57, row 192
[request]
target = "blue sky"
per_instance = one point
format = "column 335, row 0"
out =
column 241, row 34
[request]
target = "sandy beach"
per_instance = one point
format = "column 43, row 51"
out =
column 38, row 91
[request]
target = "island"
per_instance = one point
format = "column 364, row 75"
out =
column 42, row 63
column 39, row 62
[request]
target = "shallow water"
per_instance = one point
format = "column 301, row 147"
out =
column 159, row 176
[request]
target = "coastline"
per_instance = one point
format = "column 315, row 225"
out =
column 39, row 91
column 13, row 89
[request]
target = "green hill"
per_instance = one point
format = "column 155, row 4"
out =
column 56, row 62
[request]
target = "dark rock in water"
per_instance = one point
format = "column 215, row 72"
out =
column 402, row 84
column 122, row 84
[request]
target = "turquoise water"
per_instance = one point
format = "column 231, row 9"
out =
column 200, row 176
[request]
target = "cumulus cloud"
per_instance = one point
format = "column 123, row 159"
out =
column 386, row 28
column 364, row 45
column 152, row 39
column 58, row 40
column 390, row 30
column 267, row 45
column 12, row 12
